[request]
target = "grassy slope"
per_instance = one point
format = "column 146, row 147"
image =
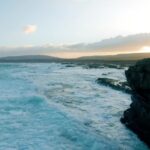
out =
column 119, row 57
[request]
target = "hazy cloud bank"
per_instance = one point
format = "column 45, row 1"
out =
column 119, row 44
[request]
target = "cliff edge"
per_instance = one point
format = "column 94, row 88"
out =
column 137, row 117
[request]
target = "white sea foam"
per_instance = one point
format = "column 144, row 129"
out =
column 54, row 107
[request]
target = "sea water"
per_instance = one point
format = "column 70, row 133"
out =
column 54, row 107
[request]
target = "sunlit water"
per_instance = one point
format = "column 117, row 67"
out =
column 54, row 107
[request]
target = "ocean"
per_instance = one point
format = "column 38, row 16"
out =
column 52, row 106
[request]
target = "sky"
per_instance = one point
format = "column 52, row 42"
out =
column 74, row 28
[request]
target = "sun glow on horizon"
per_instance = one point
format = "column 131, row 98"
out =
column 145, row 49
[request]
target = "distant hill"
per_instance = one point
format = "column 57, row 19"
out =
column 29, row 58
column 119, row 57
column 44, row 58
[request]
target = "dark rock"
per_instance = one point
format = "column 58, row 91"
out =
column 137, row 117
column 70, row 65
column 93, row 66
column 103, row 65
column 138, row 77
column 114, row 84
column 115, row 66
column 108, row 73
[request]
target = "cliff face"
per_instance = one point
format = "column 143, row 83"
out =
column 137, row 117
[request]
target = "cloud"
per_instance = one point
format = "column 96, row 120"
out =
column 28, row 29
column 119, row 44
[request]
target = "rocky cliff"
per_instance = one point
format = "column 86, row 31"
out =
column 137, row 117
